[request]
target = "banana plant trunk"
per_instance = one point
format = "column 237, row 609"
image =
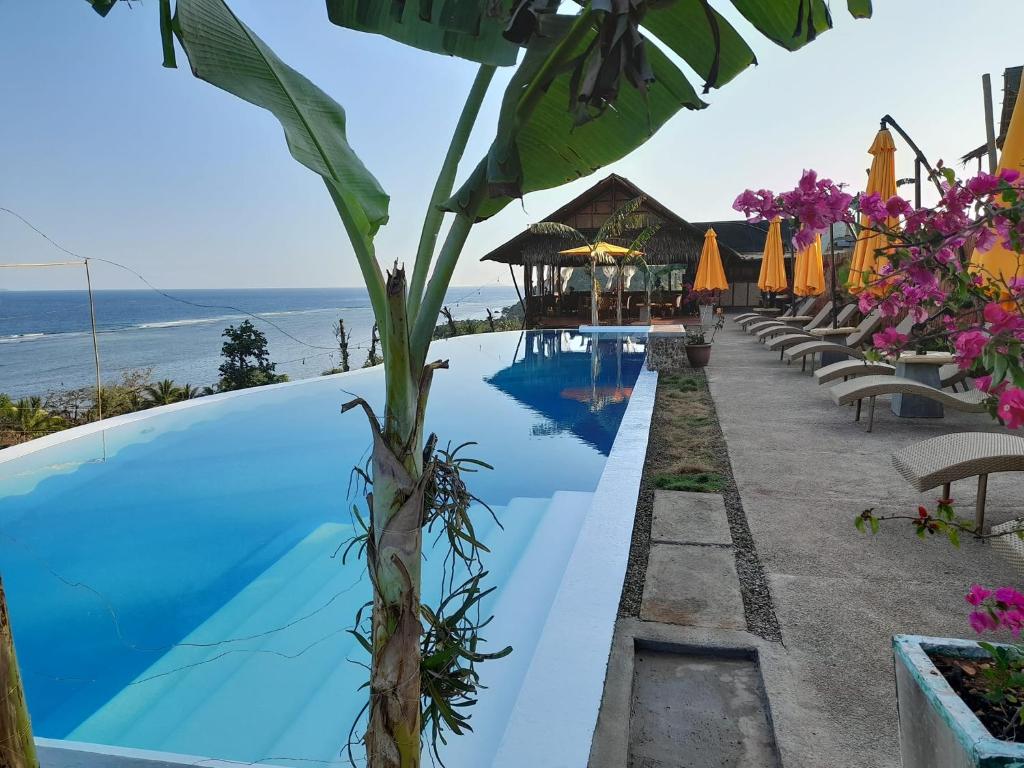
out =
column 17, row 749
column 394, row 547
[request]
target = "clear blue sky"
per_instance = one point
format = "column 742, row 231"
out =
column 116, row 157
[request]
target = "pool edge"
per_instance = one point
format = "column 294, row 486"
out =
column 567, row 673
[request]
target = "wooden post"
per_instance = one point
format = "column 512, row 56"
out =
column 17, row 749
column 618, row 298
column 990, row 123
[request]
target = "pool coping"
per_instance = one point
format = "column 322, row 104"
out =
column 552, row 723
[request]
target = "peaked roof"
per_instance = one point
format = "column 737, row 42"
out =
column 676, row 232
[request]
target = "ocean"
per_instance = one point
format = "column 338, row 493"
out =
column 45, row 343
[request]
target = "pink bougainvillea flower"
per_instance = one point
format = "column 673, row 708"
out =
column 978, row 594
column 890, row 340
column 969, row 346
column 982, row 621
column 896, row 206
column 873, row 207
column 1011, row 407
column 983, row 184
column 1008, row 596
column 1000, row 320
column 986, row 240
column 1009, row 175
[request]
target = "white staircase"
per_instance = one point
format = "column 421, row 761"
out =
column 290, row 696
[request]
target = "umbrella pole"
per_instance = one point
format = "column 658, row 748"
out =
column 593, row 292
column 618, row 298
column 832, row 270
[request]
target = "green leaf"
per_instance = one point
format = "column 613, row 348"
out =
column 102, row 7
column 790, row 23
column 167, row 34
column 859, row 9
column 548, row 149
column 874, row 524
column 858, row 523
column 469, row 29
column 226, row 53
column 954, row 537
column 702, row 37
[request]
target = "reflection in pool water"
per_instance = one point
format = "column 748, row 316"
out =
column 183, row 594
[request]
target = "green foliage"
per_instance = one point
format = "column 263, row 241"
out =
column 695, row 482
column 246, row 359
column 511, row 319
column 162, row 393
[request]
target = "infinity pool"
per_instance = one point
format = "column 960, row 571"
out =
column 174, row 581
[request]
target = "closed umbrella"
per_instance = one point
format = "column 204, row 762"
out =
column 710, row 273
column 1000, row 264
column 809, row 272
column 772, row 278
column 865, row 264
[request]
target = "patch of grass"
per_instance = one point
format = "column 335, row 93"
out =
column 698, row 482
column 681, row 383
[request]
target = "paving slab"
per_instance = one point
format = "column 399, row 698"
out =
column 682, row 517
column 692, row 585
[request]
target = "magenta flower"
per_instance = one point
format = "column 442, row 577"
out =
column 873, row 207
column 1001, row 321
column 969, row 345
column 983, row 184
column 977, row 595
column 1011, row 407
column 890, row 340
column 896, row 206
column 981, row 621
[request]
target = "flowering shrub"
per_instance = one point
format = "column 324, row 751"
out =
column 927, row 271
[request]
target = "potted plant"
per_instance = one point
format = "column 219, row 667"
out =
column 961, row 702
column 698, row 343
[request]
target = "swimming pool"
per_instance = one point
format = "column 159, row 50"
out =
column 174, row 583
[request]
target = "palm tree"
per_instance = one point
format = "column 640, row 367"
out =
column 188, row 392
column 626, row 218
column 161, row 393
column 33, row 420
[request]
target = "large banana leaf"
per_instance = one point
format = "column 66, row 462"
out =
column 549, row 149
column 226, row 53
column 102, row 7
column 470, row 29
column 790, row 23
column 859, row 9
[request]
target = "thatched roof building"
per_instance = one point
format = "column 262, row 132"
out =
column 677, row 242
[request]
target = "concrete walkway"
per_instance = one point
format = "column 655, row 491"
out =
column 804, row 468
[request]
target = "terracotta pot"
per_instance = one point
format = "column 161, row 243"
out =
column 698, row 354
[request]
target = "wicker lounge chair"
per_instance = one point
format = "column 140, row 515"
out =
column 819, row 318
column 803, row 333
column 946, row 459
column 870, row 387
column 852, row 345
column 950, row 375
column 794, row 309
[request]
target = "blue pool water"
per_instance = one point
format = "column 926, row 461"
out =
column 174, row 585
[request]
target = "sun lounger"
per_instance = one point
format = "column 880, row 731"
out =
column 950, row 375
column 804, row 333
column 852, row 345
column 795, row 308
column 870, row 387
column 946, row 459
column 811, row 322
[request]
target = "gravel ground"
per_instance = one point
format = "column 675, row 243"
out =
column 676, row 413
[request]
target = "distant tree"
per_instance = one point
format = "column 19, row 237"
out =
column 188, row 392
column 452, row 328
column 343, row 337
column 162, row 393
column 372, row 358
column 246, row 359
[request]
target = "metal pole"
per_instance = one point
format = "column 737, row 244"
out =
column 888, row 121
column 835, row 289
column 917, row 182
column 990, row 123
column 95, row 344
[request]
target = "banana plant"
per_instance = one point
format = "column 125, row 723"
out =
column 587, row 90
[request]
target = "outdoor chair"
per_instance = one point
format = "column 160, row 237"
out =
column 793, row 335
column 950, row 375
column 870, row 387
column 794, row 309
column 944, row 460
column 804, row 321
column 852, row 345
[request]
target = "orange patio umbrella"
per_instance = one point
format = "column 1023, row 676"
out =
column 1000, row 263
column 865, row 264
column 710, row 273
column 772, row 278
column 809, row 272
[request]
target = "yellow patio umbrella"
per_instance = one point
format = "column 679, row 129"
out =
column 865, row 264
column 710, row 273
column 604, row 253
column 809, row 272
column 1000, row 263
column 772, row 278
